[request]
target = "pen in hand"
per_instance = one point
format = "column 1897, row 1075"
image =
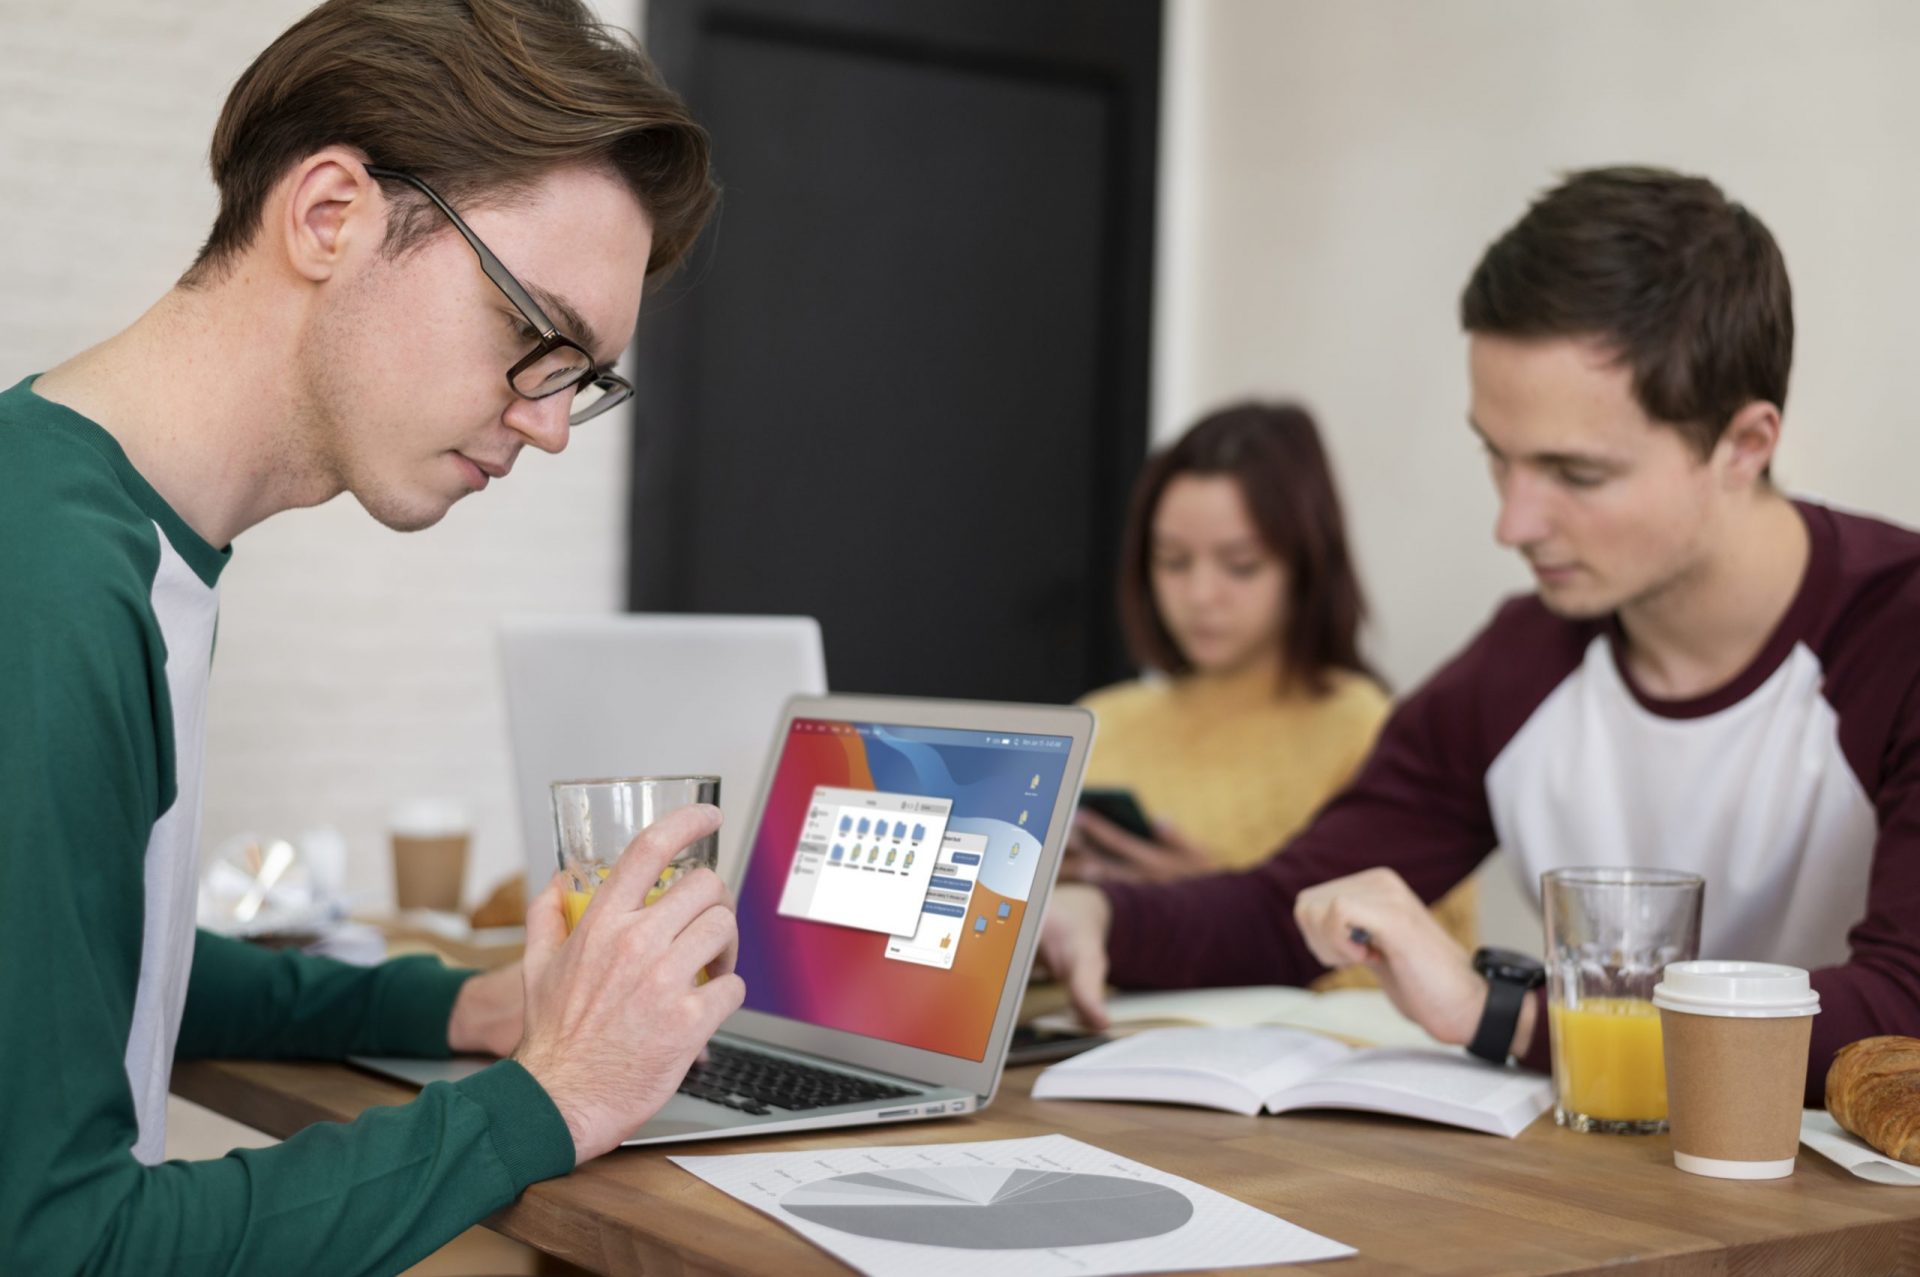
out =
column 1364, row 938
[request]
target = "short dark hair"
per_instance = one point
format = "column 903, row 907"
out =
column 478, row 98
column 1685, row 285
column 1273, row 452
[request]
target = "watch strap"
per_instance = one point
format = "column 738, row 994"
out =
column 1493, row 1040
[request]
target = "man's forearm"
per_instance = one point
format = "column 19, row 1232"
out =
column 246, row 1001
column 1223, row 929
column 370, row 1196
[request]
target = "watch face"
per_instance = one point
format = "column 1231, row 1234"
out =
column 1510, row 965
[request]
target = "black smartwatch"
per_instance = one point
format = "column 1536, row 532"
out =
column 1510, row 976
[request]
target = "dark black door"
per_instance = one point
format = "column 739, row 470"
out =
column 902, row 387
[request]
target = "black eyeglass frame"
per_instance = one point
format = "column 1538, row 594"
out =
column 614, row 389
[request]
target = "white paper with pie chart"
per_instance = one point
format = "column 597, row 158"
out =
column 1048, row 1206
column 991, row 1207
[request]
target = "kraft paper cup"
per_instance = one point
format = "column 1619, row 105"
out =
column 1735, row 1038
column 429, row 841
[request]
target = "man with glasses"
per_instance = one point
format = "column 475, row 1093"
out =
column 350, row 326
column 555, row 365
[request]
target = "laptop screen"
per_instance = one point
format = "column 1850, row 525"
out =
column 890, row 875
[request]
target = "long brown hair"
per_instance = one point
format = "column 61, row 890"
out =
column 480, row 99
column 1273, row 452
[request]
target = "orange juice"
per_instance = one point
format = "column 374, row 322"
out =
column 1607, row 1062
column 575, row 902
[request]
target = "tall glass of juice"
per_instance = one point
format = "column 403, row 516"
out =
column 595, row 820
column 1610, row 934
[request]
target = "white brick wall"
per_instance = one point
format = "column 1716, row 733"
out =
column 355, row 665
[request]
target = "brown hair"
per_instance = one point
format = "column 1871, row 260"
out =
column 477, row 98
column 1273, row 451
column 1685, row 285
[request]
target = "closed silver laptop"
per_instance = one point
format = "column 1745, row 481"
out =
column 648, row 695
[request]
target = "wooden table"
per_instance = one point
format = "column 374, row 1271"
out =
column 1413, row 1198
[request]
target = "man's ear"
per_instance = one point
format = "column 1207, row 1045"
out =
column 329, row 207
column 1746, row 447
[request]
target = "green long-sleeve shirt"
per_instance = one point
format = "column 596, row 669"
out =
column 107, row 607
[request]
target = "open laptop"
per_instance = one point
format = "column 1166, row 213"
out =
column 890, row 899
column 649, row 695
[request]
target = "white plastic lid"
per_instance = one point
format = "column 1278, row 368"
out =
column 428, row 818
column 1744, row 990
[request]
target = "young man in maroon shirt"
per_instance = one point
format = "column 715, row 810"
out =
column 1711, row 676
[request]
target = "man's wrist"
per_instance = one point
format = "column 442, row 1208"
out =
column 1102, row 909
column 461, row 1035
column 1458, row 1025
column 1086, row 902
column 1506, row 1025
column 1528, row 1025
column 488, row 1013
column 550, row 1079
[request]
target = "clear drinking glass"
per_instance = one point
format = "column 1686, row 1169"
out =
column 1610, row 934
column 594, row 820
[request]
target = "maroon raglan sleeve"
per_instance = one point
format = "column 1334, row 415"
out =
column 1418, row 806
column 1874, row 688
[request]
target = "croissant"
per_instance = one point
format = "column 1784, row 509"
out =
column 506, row 907
column 1873, row 1090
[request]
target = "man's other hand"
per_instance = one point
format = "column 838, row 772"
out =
column 1423, row 969
column 489, row 1013
column 1073, row 946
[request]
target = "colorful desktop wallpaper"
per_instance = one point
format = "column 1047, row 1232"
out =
column 838, row 976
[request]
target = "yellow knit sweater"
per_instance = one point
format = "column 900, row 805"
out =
column 1238, row 767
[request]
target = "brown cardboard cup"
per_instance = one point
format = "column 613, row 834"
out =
column 1735, row 1036
column 429, row 855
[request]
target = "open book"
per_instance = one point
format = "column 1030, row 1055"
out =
column 1245, row 1070
column 1361, row 1016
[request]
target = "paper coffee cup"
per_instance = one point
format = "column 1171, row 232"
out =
column 1735, row 1037
column 429, row 854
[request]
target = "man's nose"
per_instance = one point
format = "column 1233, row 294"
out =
column 542, row 422
column 1523, row 512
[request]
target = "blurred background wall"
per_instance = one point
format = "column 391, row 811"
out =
column 1327, row 175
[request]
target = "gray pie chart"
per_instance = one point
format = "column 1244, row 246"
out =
column 990, row 1207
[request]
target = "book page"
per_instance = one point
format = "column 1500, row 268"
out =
column 1217, row 1008
column 1439, row 1085
column 1361, row 1016
column 1150, row 1065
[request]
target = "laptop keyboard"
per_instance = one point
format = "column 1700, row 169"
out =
column 760, row 1084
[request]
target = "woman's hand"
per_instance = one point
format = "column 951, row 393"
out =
column 1100, row 851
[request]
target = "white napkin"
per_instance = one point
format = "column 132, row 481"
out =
column 1819, row 1132
column 300, row 896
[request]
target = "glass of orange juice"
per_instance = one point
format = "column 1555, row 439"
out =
column 1610, row 934
column 594, row 820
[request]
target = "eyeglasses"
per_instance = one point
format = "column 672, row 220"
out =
column 555, row 364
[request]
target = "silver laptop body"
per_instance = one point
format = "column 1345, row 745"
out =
column 936, row 1084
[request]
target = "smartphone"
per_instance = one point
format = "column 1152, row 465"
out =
column 1121, row 807
column 1032, row 1045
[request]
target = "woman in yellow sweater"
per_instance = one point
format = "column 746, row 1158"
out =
column 1238, row 592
